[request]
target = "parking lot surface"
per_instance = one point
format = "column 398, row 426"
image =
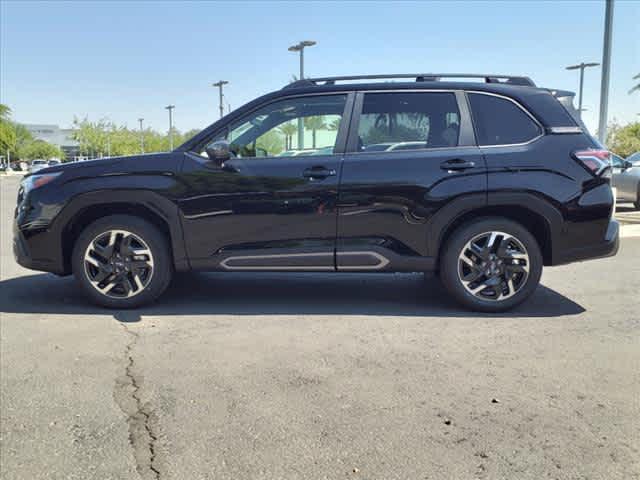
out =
column 307, row 376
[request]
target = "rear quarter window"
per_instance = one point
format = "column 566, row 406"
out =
column 499, row 121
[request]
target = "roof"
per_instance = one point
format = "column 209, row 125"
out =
column 539, row 101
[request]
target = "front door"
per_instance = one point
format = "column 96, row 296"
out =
column 410, row 154
column 272, row 206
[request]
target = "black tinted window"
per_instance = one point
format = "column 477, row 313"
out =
column 408, row 121
column 500, row 122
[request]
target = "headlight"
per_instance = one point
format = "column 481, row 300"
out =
column 36, row 181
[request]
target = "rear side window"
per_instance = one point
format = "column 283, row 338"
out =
column 408, row 121
column 499, row 121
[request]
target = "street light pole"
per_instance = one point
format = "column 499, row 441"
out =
column 141, row 135
column 581, row 66
column 606, row 67
column 220, row 84
column 170, row 108
column 299, row 47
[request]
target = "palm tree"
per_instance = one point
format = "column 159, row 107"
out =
column 5, row 112
column 636, row 87
column 288, row 130
column 334, row 125
column 314, row 124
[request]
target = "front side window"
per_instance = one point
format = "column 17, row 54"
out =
column 408, row 121
column 499, row 121
column 289, row 128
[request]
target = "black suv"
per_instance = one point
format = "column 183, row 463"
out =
column 483, row 180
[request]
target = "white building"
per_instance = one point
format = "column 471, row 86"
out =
column 53, row 134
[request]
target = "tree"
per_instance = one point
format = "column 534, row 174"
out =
column 23, row 139
column 314, row 124
column 7, row 130
column 41, row 149
column 288, row 130
column 624, row 140
column 271, row 142
column 334, row 125
column 636, row 87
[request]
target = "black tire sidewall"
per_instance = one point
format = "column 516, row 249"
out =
column 157, row 242
column 457, row 241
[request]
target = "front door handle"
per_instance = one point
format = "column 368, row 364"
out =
column 318, row 173
column 457, row 164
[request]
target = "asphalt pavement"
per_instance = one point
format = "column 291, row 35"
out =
column 320, row 376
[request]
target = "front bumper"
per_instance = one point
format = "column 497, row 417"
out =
column 30, row 251
column 607, row 248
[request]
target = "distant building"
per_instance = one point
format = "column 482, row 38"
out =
column 53, row 134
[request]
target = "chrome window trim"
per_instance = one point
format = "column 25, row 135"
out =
column 521, row 107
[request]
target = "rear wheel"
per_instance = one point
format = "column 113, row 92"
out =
column 491, row 264
column 122, row 261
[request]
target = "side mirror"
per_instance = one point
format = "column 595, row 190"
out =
column 626, row 164
column 219, row 151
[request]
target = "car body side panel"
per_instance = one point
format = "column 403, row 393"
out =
column 389, row 200
column 146, row 181
column 545, row 170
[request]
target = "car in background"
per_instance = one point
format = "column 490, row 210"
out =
column 634, row 158
column 53, row 162
column 626, row 178
column 38, row 164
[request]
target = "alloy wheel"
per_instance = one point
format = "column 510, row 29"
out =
column 118, row 263
column 493, row 266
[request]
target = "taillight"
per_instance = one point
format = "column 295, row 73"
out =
column 596, row 161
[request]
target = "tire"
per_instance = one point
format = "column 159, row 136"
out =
column 517, row 257
column 636, row 204
column 122, row 261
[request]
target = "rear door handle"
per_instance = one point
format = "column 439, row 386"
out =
column 456, row 164
column 318, row 173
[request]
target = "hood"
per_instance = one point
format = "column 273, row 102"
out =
column 118, row 165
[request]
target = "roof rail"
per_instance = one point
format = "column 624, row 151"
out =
column 418, row 77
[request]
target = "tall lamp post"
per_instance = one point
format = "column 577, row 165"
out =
column 140, row 120
column 581, row 66
column 170, row 108
column 299, row 47
column 606, row 67
column 220, row 84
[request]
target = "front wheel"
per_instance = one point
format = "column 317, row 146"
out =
column 122, row 261
column 491, row 264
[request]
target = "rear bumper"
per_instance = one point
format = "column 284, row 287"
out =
column 607, row 248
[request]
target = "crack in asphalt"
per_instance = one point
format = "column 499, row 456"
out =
column 141, row 436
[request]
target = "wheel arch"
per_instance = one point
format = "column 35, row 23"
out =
column 90, row 207
column 538, row 216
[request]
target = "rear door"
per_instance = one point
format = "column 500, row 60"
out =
column 410, row 153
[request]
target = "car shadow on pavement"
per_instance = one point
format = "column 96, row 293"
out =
column 412, row 295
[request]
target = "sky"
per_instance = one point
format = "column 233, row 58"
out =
column 125, row 60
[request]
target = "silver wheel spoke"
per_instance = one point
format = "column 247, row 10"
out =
column 479, row 288
column 119, row 264
column 493, row 266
